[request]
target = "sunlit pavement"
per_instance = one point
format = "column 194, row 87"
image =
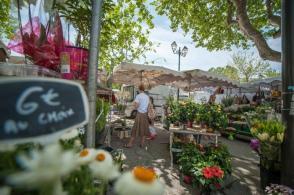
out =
column 244, row 180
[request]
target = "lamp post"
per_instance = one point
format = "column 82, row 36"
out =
column 180, row 52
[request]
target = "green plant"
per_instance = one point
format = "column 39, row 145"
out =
column 207, row 165
column 120, row 107
column 191, row 109
column 228, row 101
column 102, row 110
column 270, row 134
column 212, row 115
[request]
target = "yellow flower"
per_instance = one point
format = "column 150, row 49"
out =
column 280, row 137
column 263, row 136
column 272, row 139
column 103, row 167
column 140, row 181
column 253, row 130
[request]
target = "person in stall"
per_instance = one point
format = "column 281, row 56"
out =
column 141, row 125
column 212, row 99
column 256, row 99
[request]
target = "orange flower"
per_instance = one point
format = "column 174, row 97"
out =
column 144, row 174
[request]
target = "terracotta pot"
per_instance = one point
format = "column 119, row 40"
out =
column 190, row 124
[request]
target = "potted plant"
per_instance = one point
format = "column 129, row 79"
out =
column 269, row 137
column 191, row 110
column 206, row 165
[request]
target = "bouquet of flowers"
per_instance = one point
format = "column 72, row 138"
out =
column 269, row 136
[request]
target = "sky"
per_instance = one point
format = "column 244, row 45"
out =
column 199, row 58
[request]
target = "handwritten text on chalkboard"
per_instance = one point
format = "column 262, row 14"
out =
column 32, row 108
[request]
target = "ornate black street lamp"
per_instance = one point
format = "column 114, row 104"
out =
column 181, row 52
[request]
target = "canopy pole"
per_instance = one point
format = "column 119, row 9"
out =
column 288, row 92
column 92, row 69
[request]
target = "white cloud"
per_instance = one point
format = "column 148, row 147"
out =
column 199, row 57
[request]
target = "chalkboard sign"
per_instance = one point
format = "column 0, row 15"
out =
column 40, row 109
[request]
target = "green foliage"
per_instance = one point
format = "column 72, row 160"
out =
column 8, row 162
column 196, row 157
column 123, row 37
column 270, row 134
column 271, row 131
column 227, row 71
column 212, row 115
column 7, row 24
column 272, row 73
column 209, row 21
column 228, row 101
column 103, row 106
column 182, row 111
column 249, row 66
column 191, row 109
column 120, row 107
column 246, row 67
column 81, row 182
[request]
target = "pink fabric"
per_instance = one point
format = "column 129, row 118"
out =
column 78, row 63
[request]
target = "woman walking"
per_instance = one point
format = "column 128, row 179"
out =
column 141, row 125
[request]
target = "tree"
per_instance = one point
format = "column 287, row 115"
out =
column 228, row 71
column 221, row 24
column 6, row 22
column 249, row 66
column 272, row 73
column 123, row 37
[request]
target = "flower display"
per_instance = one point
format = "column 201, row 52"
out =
column 270, row 130
column 254, row 144
column 269, row 136
column 207, row 165
column 207, row 173
column 103, row 166
column 45, row 168
column 139, row 181
column 212, row 171
column 263, row 136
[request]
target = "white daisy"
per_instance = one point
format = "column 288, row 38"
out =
column 45, row 167
column 70, row 134
column 140, row 181
column 86, row 156
column 103, row 167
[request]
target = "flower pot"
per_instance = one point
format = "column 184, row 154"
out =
column 187, row 179
column 190, row 124
column 268, row 176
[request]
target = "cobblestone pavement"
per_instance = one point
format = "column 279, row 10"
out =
column 156, row 154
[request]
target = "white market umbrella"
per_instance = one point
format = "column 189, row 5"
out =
column 150, row 75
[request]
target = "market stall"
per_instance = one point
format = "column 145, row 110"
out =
column 135, row 74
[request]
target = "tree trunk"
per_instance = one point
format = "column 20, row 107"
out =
column 252, row 33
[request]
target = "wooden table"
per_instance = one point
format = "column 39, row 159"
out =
column 191, row 131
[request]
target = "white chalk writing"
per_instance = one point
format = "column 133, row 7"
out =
column 27, row 108
column 49, row 96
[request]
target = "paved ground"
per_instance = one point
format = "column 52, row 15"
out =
column 156, row 154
